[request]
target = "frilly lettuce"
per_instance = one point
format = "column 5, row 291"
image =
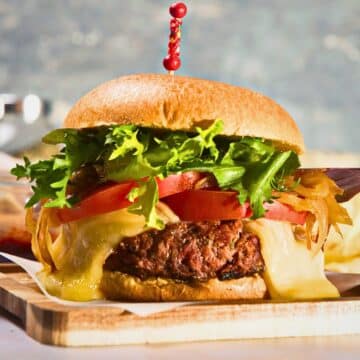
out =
column 250, row 166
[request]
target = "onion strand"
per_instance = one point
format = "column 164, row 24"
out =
column 316, row 194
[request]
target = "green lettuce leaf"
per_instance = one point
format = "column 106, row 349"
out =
column 260, row 180
column 145, row 198
column 51, row 177
column 251, row 166
column 125, row 140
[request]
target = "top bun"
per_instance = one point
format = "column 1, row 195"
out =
column 183, row 103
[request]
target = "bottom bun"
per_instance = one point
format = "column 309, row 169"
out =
column 119, row 286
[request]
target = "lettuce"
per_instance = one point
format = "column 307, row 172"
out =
column 147, row 196
column 251, row 166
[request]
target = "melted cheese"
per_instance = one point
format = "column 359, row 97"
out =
column 73, row 263
column 342, row 251
column 291, row 270
column 81, row 250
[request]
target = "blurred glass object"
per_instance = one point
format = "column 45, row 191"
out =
column 32, row 108
column 24, row 120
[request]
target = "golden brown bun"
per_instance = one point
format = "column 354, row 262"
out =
column 182, row 103
column 119, row 286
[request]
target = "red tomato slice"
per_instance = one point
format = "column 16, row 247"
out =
column 202, row 205
column 173, row 184
column 107, row 199
column 188, row 204
column 114, row 197
column 282, row 212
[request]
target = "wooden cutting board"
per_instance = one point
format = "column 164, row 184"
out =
column 56, row 324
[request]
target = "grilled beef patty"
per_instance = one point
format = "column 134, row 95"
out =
column 190, row 251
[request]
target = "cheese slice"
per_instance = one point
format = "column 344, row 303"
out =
column 291, row 270
column 80, row 251
column 342, row 251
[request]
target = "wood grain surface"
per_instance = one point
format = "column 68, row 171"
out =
column 56, row 324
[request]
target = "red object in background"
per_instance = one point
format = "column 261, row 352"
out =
column 16, row 241
column 172, row 61
column 14, row 238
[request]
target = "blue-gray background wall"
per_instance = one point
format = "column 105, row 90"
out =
column 303, row 53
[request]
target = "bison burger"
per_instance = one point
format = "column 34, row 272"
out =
column 174, row 188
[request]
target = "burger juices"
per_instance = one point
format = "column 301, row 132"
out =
column 174, row 188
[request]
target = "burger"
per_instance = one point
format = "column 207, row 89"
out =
column 171, row 188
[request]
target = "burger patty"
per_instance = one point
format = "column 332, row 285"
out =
column 190, row 251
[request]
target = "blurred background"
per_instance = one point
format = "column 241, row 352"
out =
column 303, row 53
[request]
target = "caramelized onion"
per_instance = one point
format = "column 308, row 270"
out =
column 41, row 227
column 316, row 194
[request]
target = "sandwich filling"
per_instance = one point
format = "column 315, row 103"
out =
column 178, row 205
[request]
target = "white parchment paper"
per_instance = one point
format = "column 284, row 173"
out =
column 140, row 309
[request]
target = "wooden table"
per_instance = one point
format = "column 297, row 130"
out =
column 15, row 344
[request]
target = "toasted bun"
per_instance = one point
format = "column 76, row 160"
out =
column 119, row 286
column 183, row 103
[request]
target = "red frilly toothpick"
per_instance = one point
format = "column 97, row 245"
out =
column 172, row 60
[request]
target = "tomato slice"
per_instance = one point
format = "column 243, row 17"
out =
column 177, row 191
column 173, row 184
column 114, row 197
column 282, row 212
column 203, row 205
column 108, row 198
